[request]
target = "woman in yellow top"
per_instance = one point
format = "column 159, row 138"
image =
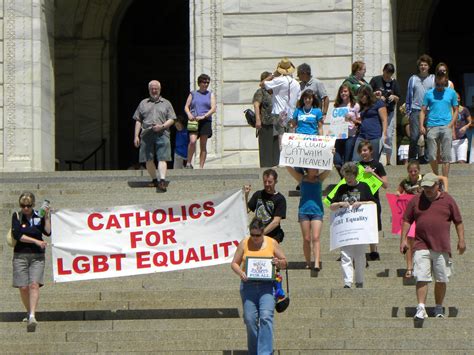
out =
column 257, row 296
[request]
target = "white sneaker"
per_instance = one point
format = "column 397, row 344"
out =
column 439, row 312
column 420, row 313
column 31, row 325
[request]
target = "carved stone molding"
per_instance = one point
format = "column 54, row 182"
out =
column 358, row 30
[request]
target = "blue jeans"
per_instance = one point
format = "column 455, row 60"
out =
column 259, row 304
column 375, row 145
column 388, row 147
column 414, row 135
column 344, row 149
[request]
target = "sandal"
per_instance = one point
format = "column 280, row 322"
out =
column 409, row 273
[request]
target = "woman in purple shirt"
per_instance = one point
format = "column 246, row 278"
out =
column 200, row 106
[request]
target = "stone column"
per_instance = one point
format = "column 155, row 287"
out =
column 205, row 57
column 28, row 86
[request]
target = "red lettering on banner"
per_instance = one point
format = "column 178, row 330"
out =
column 118, row 260
column 236, row 243
column 172, row 218
column 142, row 257
column 209, row 208
column 173, row 259
column 134, row 238
column 113, row 222
column 184, row 213
column 203, row 254
column 215, row 250
column 168, row 236
column 126, row 217
column 152, row 238
column 192, row 255
column 192, row 214
column 83, row 268
column 99, row 263
column 226, row 246
column 61, row 270
column 142, row 218
column 164, row 259
column 155, row 216
column 91, row 224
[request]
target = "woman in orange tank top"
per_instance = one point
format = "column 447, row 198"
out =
column 257, row 296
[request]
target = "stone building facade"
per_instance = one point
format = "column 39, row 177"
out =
column 60, row 65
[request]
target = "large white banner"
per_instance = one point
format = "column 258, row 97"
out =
column 131, row 240
column 307, row 151
column 350, row 226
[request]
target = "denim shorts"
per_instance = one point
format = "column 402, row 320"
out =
column 309, row 217
column 154, row 145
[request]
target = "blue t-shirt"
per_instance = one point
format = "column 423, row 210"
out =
column 181, row 143
column 440, row 105
column 311, row 201
column 307, row 122
column 371, row 126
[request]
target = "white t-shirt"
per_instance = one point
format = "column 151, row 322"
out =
column 280, row 100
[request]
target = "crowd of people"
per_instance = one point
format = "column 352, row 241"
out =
column 432, row 111
column 283, row 104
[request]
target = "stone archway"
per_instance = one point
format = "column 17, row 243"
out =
column 84, row 32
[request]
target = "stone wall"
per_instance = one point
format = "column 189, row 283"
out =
column 328, row 34
column 28, row 86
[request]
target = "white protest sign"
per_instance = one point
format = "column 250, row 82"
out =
column 131, row 240
column 335, row 124
column 351, row 226
column 307, row 151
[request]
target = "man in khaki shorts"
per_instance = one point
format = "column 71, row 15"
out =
column 432, row 210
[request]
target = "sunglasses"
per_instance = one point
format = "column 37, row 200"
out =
column 25, row 206
column 256, row 235
column 204, row 82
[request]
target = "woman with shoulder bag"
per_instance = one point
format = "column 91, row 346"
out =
column 28, row 229
column 200, row 106
column 257, row 296
column 269, row 150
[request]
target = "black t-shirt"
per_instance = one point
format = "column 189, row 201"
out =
column 351, row 194
column 387, row 88
column 275, row 206
column 378, row 169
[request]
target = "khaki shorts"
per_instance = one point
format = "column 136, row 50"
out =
column 428, row 264
column 28, row 269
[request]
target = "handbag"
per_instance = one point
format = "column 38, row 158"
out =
column 10, row 240
column 250, row 117
column 282, row 305
column 193, row 126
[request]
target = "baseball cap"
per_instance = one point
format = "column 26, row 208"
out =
column 429, row 180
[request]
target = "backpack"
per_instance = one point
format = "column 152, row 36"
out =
column 250, row 117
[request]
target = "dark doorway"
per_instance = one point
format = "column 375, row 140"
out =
column 450, row 37
column 153, row 43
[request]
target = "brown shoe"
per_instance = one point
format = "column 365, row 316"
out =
column 161, row 186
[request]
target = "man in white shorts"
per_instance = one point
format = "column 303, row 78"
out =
column 432, row 210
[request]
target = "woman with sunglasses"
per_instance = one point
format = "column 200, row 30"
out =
column 200, row 106
column 257, row 296
column 28, row 229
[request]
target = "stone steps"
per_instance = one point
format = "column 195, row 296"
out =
column 199, row 311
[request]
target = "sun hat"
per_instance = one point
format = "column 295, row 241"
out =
column 285, row 67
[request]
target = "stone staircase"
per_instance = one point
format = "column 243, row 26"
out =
column 199, row 311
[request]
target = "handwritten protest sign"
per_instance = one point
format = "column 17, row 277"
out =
column 398, row 205
column 131, row 240
column 335, row 124
column 307, row 151
column 351, row 226
column 370, row 179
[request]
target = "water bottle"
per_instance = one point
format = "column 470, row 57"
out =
column 42, row 209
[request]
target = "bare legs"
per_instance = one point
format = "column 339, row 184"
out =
column 30, row 297
column 192, row 149
column 311, row 231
